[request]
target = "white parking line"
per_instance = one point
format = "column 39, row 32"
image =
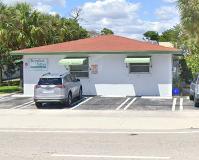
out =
column 174, row 104
column 130, row 103
column 121, row 105
column 22, row 105
column 181, row 104
column 6, row 98
column 28, row 105
column 81, row 103
column 108, row 156
column 97, row 132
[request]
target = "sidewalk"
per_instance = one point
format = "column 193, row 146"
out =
column 124, row 120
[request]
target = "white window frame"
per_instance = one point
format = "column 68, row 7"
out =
column 87, row 58
column 150, row 65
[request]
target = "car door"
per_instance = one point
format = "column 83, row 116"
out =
column 68, row 83
column 76, row 85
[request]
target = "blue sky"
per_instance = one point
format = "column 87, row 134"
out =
column 129, row 18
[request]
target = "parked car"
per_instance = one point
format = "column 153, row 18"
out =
column 57, row 88
column 194, row 91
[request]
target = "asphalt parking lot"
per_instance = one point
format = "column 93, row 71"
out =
column 106, row 103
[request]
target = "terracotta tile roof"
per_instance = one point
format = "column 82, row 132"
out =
column 107, row 43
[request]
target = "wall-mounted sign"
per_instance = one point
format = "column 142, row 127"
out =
column 94, row 69
column 38, row 64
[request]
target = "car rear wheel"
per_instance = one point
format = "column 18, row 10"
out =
column 80, row 93
column 69, row 100
column 191, row 97
column 38, row 104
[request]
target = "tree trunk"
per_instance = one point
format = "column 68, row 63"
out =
column 21, row 74
column 1, row 77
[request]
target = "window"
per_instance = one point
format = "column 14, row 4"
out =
column 50, row 81
column 68, row 78
column 139, row 64
column 139, row 67
column 80, row 70
column 73, row 78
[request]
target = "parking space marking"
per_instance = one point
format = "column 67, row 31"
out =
column 5, row 98
column 181, row 104
column 130, row 103
column 28, row 105
column 81, row 103
column 108, row 156
column 97, row 131
column 22, row 105
column 174, row 104
column 121, row 105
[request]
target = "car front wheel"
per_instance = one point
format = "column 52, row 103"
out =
column 80, row 94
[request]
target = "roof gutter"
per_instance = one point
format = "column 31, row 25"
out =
column 97, row 52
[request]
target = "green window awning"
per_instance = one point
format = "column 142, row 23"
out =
column 18, row 61
column 138, row 60
column 72, row 61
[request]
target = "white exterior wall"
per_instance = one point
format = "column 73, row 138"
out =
column 113, row 77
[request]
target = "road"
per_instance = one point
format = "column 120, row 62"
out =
column 98, row 145
column 98, row 128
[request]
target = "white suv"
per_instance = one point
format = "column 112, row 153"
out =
column 57, row 88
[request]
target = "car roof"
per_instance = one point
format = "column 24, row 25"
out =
column 54, row 75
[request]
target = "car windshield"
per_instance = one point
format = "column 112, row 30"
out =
column 50, row 81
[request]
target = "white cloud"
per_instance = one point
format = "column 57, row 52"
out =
column 170, row 1
column 41, row 5
column 167, row 12
column 123, row 18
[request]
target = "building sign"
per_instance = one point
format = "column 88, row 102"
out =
column 38, row 64
column 94, row 68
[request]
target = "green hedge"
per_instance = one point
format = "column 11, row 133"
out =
column 9, row 89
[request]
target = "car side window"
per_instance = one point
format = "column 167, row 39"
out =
column 73, row 78
column 68, row 78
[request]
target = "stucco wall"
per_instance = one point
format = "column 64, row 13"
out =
column 113, row 78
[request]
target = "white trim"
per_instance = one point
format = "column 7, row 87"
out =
column 108, row 156
column 155, row 97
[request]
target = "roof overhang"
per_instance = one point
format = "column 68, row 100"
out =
column 101, row 52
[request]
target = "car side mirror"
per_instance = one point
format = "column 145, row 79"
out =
column 78, row 80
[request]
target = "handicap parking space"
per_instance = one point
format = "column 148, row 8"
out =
column 151, row 104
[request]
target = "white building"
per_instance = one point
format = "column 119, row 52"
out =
column 106, row 65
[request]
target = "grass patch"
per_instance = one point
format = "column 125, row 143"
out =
column 9, row 89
